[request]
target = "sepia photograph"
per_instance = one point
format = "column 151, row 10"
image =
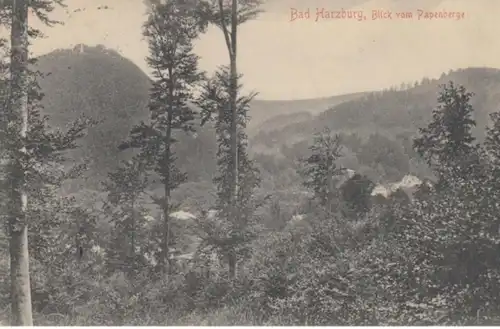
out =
column 249, row 163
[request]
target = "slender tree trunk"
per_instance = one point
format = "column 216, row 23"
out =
column 233, row 92
column 167, row 183
column 21, row 311
column 231, row 41
column 233, row 100
column 166, row 231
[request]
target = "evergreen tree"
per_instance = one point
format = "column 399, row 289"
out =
column 171, row 28
column 214, row 101
column 231, row 112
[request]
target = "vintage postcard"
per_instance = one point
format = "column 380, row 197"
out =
column 248, row 162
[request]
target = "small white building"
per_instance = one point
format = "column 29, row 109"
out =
column 182, row 215
column 408, row 184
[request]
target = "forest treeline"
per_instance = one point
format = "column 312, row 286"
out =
column 333, row 254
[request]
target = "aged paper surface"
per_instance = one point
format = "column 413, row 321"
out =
column 352, row 178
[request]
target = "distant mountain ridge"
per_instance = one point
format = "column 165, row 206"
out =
column 282, row 120
column 263, row 110
column 393, row 116
column 100, row 83
column 396, row 111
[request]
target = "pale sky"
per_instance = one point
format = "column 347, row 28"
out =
column 304, row 58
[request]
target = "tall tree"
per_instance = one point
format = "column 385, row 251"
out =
column 171, row 28
column 320, row 168
column 231, row 113
column 45, row 169
column 447, row 143
column 236, row 212
column 15, row 128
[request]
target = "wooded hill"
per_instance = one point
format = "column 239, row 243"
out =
column 100, row 83
column 378, row 127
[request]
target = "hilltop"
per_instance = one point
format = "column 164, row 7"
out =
column 100, row 83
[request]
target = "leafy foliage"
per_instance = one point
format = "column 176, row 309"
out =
column 126, row 188
column 320, row 169
column 38, row 162
column 214, row 102
column 171, row 28
column 343, row 257
column 356, row 193
column 448, row 137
